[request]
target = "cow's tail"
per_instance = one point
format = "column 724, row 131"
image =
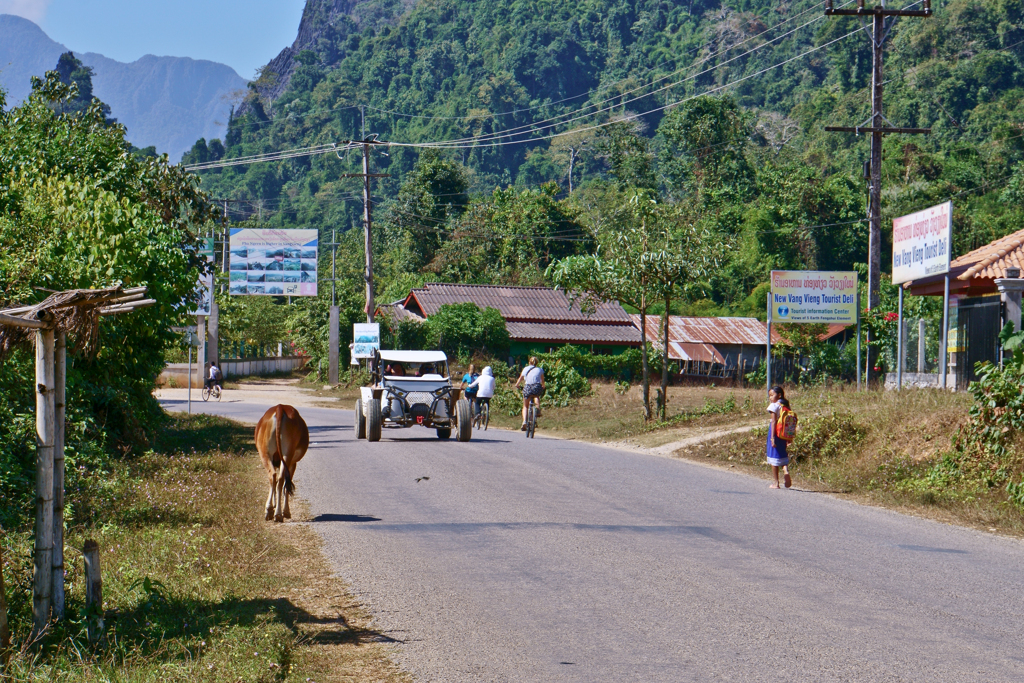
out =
column 286, row 475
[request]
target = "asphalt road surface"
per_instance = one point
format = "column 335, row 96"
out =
column 552, row 560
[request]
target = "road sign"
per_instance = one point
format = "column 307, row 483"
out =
column 922, row 243
column 813, row 296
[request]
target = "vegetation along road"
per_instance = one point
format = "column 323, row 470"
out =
column 559, row 560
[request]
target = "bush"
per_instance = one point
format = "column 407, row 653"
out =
column 825, row 436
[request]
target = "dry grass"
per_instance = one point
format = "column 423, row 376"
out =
column 607, row 415
column 230, row 597
column 876, row 448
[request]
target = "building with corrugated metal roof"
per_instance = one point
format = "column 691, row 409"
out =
column 720, row 346
column 538, row 319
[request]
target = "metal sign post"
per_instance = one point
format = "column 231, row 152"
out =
column 922, row 245
column 858, row 340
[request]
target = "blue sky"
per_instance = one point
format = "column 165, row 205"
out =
column 244, row 34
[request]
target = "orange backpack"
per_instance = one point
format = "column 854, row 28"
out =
column 785, row 424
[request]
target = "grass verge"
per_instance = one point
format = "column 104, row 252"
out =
column 197, row 586
column 876, row 447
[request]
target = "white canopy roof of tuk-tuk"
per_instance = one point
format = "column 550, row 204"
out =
column 413, row 356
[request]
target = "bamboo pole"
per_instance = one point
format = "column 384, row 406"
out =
column 93, row 589
column 60, row 384
column 42, row 593
column 21, row 322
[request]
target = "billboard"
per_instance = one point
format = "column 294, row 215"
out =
column 365, row 339
column 271, row 262
column 921, row 243
column 204, row 285
column 813, row 296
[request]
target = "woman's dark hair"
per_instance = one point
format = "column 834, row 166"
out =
column 779, row 392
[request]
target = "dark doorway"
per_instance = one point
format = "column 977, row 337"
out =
column 978, row 323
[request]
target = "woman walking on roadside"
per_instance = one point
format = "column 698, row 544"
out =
column 777, row 455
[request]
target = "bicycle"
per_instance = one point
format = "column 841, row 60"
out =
column 483, row 418
column 211, row 392
column 531, row 420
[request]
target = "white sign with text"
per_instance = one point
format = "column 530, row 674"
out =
column 921, row 243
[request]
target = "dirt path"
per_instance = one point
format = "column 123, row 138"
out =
column 667, row 442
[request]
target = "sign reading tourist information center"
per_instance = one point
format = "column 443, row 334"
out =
column 921, row 243
column 268, row 262
column 812, row 296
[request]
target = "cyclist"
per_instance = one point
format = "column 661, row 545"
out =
column 484, row 384
column 532, row 379
column 214, row 378
column 467, row 385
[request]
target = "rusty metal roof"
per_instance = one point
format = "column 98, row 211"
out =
column 519, row 304
column 698, row 352
column 397, row 312
column 573, row 333
column 698, row 330
column 686, row 329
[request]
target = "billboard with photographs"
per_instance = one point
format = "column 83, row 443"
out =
column 273, row 262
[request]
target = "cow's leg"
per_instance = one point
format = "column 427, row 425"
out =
column 287, row 498
column 272, row 476
column 282, row 493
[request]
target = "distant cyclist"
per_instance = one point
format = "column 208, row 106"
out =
column 215, row 377
column 484, row 385
column 532, row 379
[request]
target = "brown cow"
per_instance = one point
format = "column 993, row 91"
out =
column 282, row 439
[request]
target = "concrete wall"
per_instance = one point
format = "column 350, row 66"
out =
column 914, row 380
column 178, row 373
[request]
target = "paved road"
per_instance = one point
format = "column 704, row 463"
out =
column 553, row 560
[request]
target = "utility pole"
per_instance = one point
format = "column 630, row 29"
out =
column 877, row 127
column 368, row 220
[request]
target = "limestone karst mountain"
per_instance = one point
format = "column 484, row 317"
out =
column 166, row 102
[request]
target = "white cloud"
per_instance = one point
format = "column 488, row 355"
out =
column 33, row 10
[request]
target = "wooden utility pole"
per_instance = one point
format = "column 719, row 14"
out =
column 367, row 220
column 876, row 125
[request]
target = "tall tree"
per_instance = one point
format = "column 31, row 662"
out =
column 630, row 265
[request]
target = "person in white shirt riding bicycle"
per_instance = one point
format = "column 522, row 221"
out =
column 215, row 377
column 484, row 385
column 532, row 379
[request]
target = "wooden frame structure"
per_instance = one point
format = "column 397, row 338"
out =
column 77, row 311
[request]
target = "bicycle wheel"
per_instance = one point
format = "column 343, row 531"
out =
column 206, row 393
column 218, row 392
column 531, row 422
column 485, row 416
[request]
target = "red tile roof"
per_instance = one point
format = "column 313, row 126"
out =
column 992, row 260
column 519, row 304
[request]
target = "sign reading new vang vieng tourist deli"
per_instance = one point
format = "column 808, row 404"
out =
column 813, row 296
column 921, row 243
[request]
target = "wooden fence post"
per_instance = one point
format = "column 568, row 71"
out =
column 93, row 589
column 5, row 631
column 60, row 384
column 43, row 575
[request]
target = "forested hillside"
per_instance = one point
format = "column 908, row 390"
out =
column 717, row 110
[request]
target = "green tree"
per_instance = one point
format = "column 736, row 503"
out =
column 79, row 211
column 629, row 266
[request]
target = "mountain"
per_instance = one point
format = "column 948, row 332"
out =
column 166, row 102
column 719, row 107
